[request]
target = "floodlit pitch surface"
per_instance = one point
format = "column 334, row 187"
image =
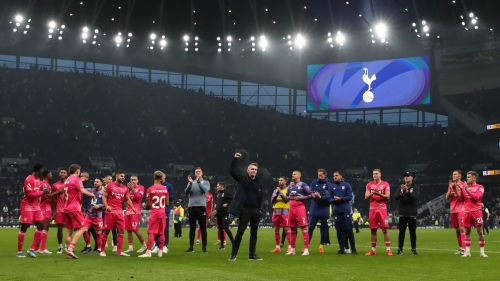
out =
column 435, row 262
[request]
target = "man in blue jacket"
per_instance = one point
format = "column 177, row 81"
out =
column 341, row 196
column 320, row 207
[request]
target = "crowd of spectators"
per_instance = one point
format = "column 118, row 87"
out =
column 59, row 118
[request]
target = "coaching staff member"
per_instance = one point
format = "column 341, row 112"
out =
column 407, row 198
column 246, row 204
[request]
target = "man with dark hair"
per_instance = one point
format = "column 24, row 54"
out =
column 30, row 211
column 196, row 190
column 222, row 203
column 114, row 196
column 320, row 207
column 86, row 205
column 454, row 195
column 281, row 208
column 46, row 207
column 132, row 219
column 246, row 205
column 407, row 208
column 341, row 196
column 58, row 202
column 93, row 217
column 107, row 180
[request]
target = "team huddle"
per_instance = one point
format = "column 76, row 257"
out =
column 62, row 202
column 105, row 212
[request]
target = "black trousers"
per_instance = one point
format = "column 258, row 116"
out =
column 283, row 236
column 345, row 236
column 411, row 223
column 223, row 226
column 198, row 214
column 356, row 226
column 324, row 239
column 252, row 216
column 178, row 229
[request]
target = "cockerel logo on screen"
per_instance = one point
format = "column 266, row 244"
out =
column 368, row 95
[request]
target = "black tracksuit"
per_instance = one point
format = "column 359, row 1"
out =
column 407, row 206
column 246, row 206
column 223, row 197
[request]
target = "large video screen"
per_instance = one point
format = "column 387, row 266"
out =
column 371, row 84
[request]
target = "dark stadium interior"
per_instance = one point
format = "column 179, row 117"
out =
column 57, row 110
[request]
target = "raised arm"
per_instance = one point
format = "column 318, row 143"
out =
column 234, row 171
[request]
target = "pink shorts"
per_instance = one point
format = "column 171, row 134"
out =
column 156, row 225
column 47, row 215
column 473, row 218
column 31, row 217
column 378, row 218
column 59, row 217
column 74, row 220
column 454, row 222
column 132, row 222
column 297, row 216
column 96, row 222
column 280, row 220
column 111, row 220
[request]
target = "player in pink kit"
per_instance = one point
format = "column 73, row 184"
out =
column 46, row 207
column 115, row 195
column 30, row 211
column 454, row 195
column 298, row 193
column 132, row 220
column 472, row 196
column 378, row 192
column 58, row 201
column 73, row 216
column 157, row 198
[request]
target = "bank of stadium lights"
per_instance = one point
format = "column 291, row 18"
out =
column 338, row 40
column 121, row 39
column 229, row 42
column 88, row 35
column 421, row 29
column 263, row 43
column 224, row 46
column 55, row 30
column 473, row 21
column 20, row 24
column 299, row 41
column 295, row 42
column 187, row 41
column 161, row 42
column 379, row 32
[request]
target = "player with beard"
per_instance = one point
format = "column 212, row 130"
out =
column 115, row 195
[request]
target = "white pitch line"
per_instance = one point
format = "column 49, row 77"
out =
column 443, row 250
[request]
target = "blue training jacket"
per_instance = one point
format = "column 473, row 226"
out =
column 343, row 190
column 170, row 188
column 320, row 207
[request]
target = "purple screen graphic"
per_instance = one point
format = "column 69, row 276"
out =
column 372, row 84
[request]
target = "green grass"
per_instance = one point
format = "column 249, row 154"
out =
column 436, row 261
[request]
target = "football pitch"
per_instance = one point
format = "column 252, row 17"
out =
column 436, row 261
